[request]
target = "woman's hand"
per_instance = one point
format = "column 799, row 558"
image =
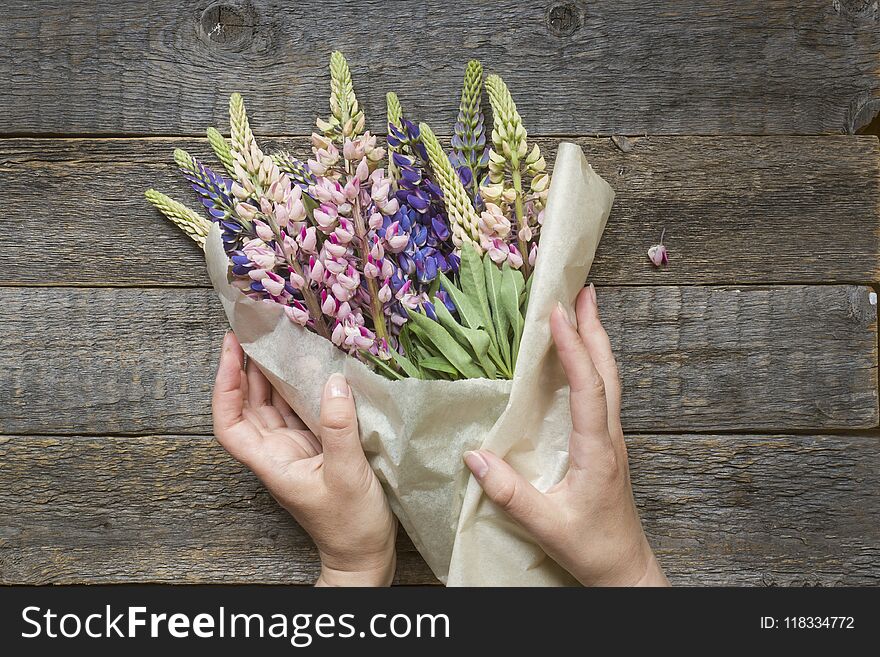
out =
column 324, row 482
column 588, row 523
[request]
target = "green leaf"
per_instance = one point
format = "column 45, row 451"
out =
column 470, row 315
column 512, row 286
column 424, row 350
column 499, row 317
column 472, row 278
column 474, row 339
column 438, row 364
column 382, row 367
column 526, row 294
column 406, row 365
column 432, row 289
column 444, row 343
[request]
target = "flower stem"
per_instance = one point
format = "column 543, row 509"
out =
column 376, row 308
column 518, row 207
column 311, row 302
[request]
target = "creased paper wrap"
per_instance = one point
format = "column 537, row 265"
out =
column 415, row 432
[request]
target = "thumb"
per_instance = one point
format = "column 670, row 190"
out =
column 508, row 489
column 343, row 454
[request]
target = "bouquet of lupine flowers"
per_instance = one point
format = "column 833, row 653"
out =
column 415, row 259
column 426, row 275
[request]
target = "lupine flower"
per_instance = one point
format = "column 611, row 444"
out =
column 346, row 119
column 509, row 161
column 462, row 215
column 221, row 149
column 296, row 170
column 216, row 195
column 422, row 212
column 658, row 254
column 469, row 155
column 190, row 222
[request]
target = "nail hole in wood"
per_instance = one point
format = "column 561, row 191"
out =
column 564, row 19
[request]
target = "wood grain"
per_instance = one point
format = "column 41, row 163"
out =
column 729, row 510
column 735, row 210
column 133, row 361
column 607, row 66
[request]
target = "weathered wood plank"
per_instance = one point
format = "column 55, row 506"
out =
column 736, row 210
column 131, row 361
column 747, row 67
column 729, row 510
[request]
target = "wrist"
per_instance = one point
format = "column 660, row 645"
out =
column 654, row 575
column 367, row 575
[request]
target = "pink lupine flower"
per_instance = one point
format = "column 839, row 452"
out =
column 263, row 231
column 326, row 216
column 289, row 245
column 370, row 268
column 246, row 211
column 344, row 232
column 352, row 189
column 363, row 170
column 395, row 239
column 658, row 254
column 316, row 269
column 297, row 313
column 385, row 293
column 335, row 266
column 493, row 223
column 297, row 281
column 329, row 304
column 533, row 254
column 273, row 283
column 514, row 257
column 341, row 292
column 308, row 239
column 350, row 278
column 334, row 248
column 497, row 250
column 260, row 254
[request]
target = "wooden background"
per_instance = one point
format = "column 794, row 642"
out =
column 750, row 364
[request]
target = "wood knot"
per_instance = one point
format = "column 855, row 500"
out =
column 869, row 9
column 564, row 19
column 863, row 115
column 228, row 24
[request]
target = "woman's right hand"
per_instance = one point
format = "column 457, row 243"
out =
column 588, row 523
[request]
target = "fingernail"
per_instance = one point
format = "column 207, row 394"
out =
column 337, row 386
column 477, row 464
column 593, row 292
column 562, row 311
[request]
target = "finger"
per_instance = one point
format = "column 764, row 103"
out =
column 260, row 397
column 596, row 339
column 259, row 388
column 291, row 419
column 343, row 454
column 589, row 414
column 228, row 400
column 510, row 491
